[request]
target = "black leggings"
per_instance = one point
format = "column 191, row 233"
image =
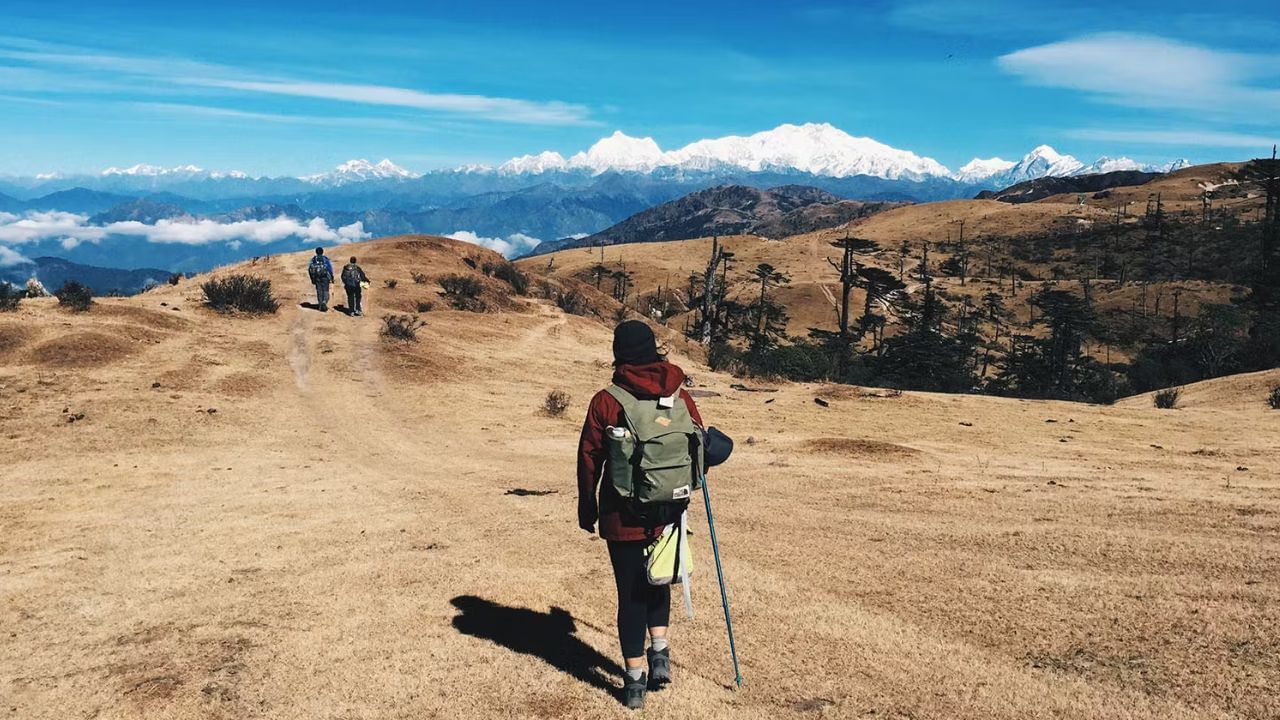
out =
column 640, row 605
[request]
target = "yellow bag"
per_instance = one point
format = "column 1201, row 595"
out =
column 663, row 555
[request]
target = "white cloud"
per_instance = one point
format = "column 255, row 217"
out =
column 190, row 74
column 35, row 226
column 10, row 257
column 513, row 245
column 492, row 108
column 1187, row 138
column 207, row 111
column 72, row 229
column 1153, row 72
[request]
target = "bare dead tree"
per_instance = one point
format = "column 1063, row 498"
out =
column 710, row 281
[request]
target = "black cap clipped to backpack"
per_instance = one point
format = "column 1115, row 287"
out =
column 719, row 447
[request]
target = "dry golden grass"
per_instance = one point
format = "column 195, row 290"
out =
column 812, row 297
column 1179, row 192
column 343, row 544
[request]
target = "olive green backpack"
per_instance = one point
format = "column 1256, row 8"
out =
column 655, row 454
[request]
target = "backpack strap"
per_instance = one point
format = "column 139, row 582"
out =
column 625, row 399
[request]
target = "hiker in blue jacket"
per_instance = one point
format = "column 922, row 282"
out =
column 321, row 272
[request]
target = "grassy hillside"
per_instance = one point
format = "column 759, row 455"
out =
column 289, row 515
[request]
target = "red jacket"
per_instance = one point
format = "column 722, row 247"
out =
column 661, row 379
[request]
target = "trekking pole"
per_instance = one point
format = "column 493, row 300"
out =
column 724, row 595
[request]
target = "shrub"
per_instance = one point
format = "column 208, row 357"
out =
column 463, row 292
column 401, row 327
column 461, row 286
column 572, row 302
column 391, row 284
column 487, row 268
column 509, row 273
column 418, row 278
column 1167, row 399
column 801, row 361
column 425, row 306
column 1274, row 398
column 10, row 296
column 556, row 402
column 175, row 278
column 245, row 293
column 75, row 296
column 722, row 356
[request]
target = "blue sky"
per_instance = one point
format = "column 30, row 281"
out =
column 299, row 87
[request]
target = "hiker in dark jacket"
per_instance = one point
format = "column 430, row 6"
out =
column 352, row 277
column 320, row 270
column 642, row 608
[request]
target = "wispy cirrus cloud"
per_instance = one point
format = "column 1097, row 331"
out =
column 1184, row 138
column 495, row 108
column 93, row 70
column 1152, row 72
column 210, row 111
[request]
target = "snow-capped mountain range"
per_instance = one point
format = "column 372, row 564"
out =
column 361, row 170
column 814, row 148
column 185, row 172
column 818, row 149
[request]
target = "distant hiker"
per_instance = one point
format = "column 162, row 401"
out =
column 321, row 272
column 646, row 405
column 354, row 281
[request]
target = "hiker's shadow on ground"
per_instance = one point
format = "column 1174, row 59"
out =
column 309, row 305
column 548, row 636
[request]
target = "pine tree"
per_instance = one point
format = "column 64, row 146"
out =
column 770, row 317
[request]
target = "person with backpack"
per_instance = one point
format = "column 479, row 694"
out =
column 639, row 460
column 354, row 281
column 321, row 272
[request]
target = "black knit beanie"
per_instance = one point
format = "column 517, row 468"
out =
column 634, row 344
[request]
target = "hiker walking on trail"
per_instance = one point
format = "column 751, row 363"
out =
column 321, row 272
column 646, row 406
column 354, row 281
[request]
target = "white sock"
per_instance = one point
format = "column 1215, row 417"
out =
column 658, row 644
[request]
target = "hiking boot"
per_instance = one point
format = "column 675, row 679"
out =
column 659, row 667
column 633, row 692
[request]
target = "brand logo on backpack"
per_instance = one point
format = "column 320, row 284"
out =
column 680, row 493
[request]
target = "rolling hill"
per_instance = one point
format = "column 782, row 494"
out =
column 729, row 210
column 54, row 272
column 225, row 516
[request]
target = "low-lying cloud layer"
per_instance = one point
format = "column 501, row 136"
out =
column 72, row 229
column 513, row 245
column 10, row 257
